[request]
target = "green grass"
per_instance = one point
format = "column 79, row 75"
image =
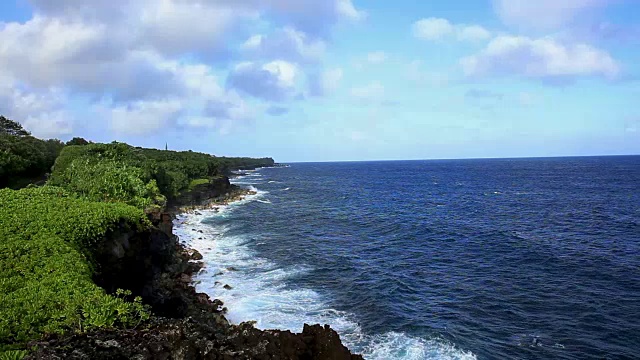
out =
column 197, row 182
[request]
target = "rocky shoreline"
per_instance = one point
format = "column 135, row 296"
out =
column 186, row 324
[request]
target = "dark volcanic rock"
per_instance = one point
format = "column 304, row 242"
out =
column 191, row 339
column 186, row 324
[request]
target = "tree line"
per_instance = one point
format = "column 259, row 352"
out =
column 25, row 158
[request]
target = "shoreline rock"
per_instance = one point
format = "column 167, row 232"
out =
column 186, row 324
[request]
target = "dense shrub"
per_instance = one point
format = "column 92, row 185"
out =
column 91, row 171
column 111, row 181
column 46, row 283
column 22, row 156
column 77, row 141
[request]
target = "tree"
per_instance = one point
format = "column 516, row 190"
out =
column 11, row 127
column 77, row 141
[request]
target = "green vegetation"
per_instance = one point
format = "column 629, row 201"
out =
column 197, row 182
column 137, row 176
column 46, row 274
column 49, row 235
column 77, row 141
column 111, row 181
column 24, row 158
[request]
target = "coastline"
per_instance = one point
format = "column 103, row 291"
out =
column 189, row 324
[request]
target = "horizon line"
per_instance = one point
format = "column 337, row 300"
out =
column 468, row 158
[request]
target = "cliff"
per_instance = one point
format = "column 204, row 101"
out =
column 185, row 324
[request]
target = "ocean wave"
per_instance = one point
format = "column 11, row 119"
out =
column 260, row 290
column 393, row 345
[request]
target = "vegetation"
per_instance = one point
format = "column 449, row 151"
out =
column 49, row 234
column 77, row 141
column 46, row 274
column 10, row 127
column 137, row 176
column 23, row 157
column 197, row 182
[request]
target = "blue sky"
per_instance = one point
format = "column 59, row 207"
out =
column 323, row 80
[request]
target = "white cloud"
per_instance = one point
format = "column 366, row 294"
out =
column 177, row 27
column 543, row 58
column 42, row 113
column 346, row 9
column 543, row 14
column 284, row 71
column 377, row 57
column 48, row 125
column 144, row 117
column 273, row 81
column 473, row 33
column 313, row 17
column 286, row 43
column 433, row 29
column 128, row 57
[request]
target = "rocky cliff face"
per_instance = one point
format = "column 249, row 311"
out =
column 186, row 324
column 216, row 190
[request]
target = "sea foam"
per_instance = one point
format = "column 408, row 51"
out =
column 262, row 291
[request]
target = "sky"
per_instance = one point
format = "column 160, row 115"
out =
column 328, row 80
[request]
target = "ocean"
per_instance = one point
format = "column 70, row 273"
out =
column 438, row 259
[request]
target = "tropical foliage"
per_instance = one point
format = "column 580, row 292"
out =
column 49, row 234
column 137, row 176
column 46, row 242
column 22, row 156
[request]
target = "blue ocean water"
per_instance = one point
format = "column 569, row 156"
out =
column 456, row 259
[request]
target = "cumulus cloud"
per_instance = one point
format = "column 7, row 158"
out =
column 433, row 29
column 40, row 112
column 543, row 58
column 544, row 14
column 473, row 33
column 144, row 117
column 130, row 57
column 310, row 16
column 273, row 81
column 286, row 43
column 325, row 82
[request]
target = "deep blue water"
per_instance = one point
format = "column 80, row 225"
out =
column 494, row 259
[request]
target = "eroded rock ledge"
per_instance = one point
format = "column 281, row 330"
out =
column 186, row 324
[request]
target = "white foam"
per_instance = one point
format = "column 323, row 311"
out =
column 259, row 291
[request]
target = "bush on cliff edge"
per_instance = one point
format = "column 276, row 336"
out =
column 46, row 282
